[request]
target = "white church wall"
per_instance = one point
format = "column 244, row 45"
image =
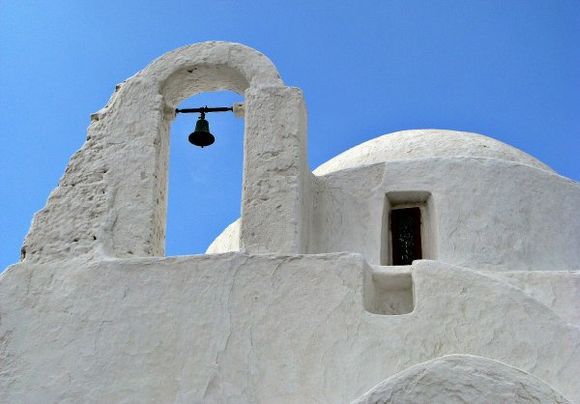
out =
column 560, row 291
column 275, row 216
column 111, row 201
column 486, row 213
column 247, row 329
column 90, row 316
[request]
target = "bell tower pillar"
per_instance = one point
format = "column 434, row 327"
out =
column 111, row 201
column 276, row 200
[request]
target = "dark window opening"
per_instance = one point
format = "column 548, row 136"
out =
column 406, row 235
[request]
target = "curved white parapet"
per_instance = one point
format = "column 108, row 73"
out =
column 462, row 379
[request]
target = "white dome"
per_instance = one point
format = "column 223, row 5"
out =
column 402, row 145
column 426, row 143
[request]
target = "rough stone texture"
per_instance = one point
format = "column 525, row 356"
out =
column 251, row 329
column 111, row 201
column 275, row 196
column 420, row 144
column 560, row 291
column 485, row 213
column 83, row 320
column 462, row 379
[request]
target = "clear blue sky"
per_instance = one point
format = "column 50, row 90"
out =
column 507, row 69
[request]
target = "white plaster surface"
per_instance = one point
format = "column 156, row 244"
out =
column 255, row 329
column 275, row 195
column 111, row 201
column 292, row 319
column 420, row 144
column 227, row 241
column 486, row 213
column 462, row 379
column 560, row 291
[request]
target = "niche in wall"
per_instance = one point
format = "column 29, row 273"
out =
column 407, row 230
column 388, row 291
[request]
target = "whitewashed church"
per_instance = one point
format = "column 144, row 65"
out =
column 423, row 266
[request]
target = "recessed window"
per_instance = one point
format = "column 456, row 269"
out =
column 408, row 229
column 406, row 235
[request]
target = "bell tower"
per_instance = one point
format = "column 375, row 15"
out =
column 419, row 266
column 111, row 201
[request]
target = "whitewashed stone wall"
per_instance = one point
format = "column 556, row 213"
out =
column 491, row 207
column 257, row 329
column 91, row 315
column 486, row 213
column 111, row 202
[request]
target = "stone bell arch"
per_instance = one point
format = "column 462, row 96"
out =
column 111, row 201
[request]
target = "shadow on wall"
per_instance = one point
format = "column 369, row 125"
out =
column 388, row 290
column 205, row 184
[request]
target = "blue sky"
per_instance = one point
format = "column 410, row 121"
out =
column 507, row 69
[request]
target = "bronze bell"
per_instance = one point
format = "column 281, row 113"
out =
column 201, row 136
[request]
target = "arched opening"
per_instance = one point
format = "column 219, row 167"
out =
column 120, row 174
column 204, row 184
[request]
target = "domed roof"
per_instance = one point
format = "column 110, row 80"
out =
column 402, row 145
column 426, row 143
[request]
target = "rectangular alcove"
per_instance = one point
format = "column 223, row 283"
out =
column 388, row 290
column 407, row 228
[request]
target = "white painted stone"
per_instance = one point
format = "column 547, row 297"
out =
column 421, row 144
column 560, row 291
column 227, row 241
column 486, row 214
column 489, row 213
column 251, row 329
column 111, row 202
column 275, row 209
column 293, row 319
column 462, row 379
